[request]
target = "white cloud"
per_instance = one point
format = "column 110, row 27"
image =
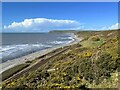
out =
column 44, row 24
column 114, row 26
column 41, row 25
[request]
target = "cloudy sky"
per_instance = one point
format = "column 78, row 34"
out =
column 46, row 16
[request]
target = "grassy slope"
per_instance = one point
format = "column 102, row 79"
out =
column 6, row 74
column 92, row 63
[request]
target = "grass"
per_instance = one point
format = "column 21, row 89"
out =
column 92, row 43
column 6, row 74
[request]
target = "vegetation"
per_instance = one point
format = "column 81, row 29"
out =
column 6, row 74
column 92, row 63
column 95, row 38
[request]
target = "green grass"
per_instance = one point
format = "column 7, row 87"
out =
column 6, row 74
column 92, row 44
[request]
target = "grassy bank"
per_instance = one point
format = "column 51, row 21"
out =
column 92, row 63
column 6, row 74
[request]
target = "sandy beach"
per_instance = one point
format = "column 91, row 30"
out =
column 11, row 63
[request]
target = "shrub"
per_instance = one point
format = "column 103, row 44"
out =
column 97, row 70
column 28, row 62
column 95, row 38
column 106, row 62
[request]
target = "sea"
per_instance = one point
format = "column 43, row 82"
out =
column 15, row 45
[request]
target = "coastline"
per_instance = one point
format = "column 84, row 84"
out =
column 11, row 63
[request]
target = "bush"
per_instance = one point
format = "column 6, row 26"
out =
column 97, row 70
column 28, row 62
column 106, row 62
column 85, row 69
column 95, row 38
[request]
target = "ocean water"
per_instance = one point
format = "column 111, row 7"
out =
column 15, row 45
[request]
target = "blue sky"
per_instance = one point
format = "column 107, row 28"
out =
column 45, row 16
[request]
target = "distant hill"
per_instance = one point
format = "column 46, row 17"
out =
column 75, row 31
column 63, row 31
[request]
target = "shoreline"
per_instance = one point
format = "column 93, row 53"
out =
column 12, row 63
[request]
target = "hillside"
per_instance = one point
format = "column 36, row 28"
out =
column 63, row 31
column 92, row 63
